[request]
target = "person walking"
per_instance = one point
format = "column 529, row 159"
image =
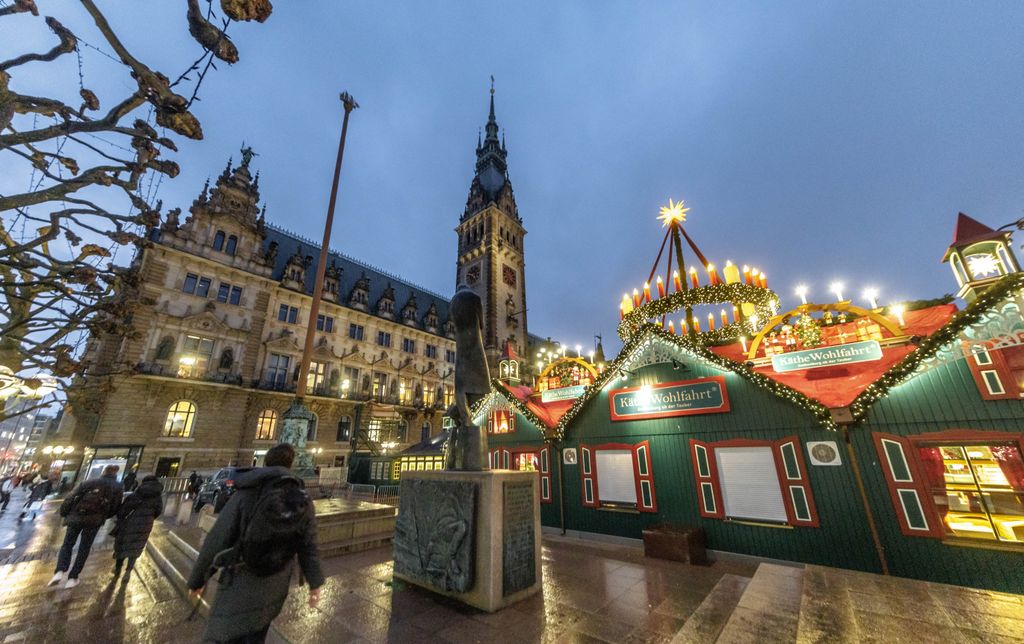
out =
column 134, row 523
column 6, row 489
column 264, row 525
column 194, row 482
column 37, row 493
column 84, row 511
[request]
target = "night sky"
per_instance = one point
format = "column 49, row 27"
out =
column 815, row 140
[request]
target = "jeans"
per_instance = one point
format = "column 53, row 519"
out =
column 70, row 537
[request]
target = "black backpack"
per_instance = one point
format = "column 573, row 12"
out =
column 94, row 502
column 276, row 527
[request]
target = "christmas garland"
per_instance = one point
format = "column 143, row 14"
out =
column 905, row 368
column 765, row 303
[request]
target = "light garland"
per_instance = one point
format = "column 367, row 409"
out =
column 764, row 300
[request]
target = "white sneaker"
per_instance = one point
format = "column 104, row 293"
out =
column 70, row 583
column 56, row 579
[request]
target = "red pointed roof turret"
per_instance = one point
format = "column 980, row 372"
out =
column 509, row 353
column 971, row 231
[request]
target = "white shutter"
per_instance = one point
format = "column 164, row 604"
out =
column 750, row 484
column 615, row 480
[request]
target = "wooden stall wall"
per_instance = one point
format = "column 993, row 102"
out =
column 842, row 538
column 529, row 437
column 943, row 399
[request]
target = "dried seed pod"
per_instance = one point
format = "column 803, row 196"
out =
column 258, row 10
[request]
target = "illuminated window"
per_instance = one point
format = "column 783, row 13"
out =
column 180, row 418
column 449, row 396
column 317, row 376
column 195, row 357
column 977, row 490
column 501, row 421
column 266, row 424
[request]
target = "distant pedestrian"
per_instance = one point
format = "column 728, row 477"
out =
column 64, row 485
column 84, row 511
column 34, row 504
column 135, row 521
column 194, row 481
column 6, row 489
column 265, row 524
column 130, row 480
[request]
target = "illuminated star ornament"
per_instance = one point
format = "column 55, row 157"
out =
column 981, row 265
column 673, row 213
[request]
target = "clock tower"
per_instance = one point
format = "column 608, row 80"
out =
column 490, row 256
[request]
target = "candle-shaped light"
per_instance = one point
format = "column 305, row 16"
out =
column 671, row 327
column 747, row 279
column 682, row 327
column 801, row 290
column 762, row 279
column 622, row 311
column 579, row 351
column 590, row 356
column 743, row 343
column 898, row 310
column 711, row 321
column 735, row 313
column 676, row 282
column 731, row 273
column 712, row 274
column 647, row 292
column 837, row 289
column 725, row 319
column 661, row 287
column 636, row 299
column 693, row 277
column 753, row 321
column 871, row 295
column 696, row 325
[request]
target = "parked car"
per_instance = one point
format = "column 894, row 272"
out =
column 218, row 488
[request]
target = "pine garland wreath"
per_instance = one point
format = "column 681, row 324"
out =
column 765, row 303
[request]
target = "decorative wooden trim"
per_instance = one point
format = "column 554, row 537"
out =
column 906, row 487
column 795, row 486
column 643, row 473
column 706, row 481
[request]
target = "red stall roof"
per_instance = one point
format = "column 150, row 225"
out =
column 838, row 386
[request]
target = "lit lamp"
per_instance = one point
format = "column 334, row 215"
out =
column 661, row 287
column 898, row 310
column 731, row 272
column 579, row 351
column 590, row 356
column 837, row 289
column 345, row 384
column 871, row 295
column 48, row 450
column 801, row 291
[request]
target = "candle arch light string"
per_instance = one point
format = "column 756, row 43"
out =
column 750, row 298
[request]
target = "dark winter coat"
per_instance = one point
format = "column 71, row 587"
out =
column 114, row 494
column 244, row 602
column 135, row 519
column 41, row 490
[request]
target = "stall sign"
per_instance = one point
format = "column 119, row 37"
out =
column 865, row 351
column 684, row 398
column 564, row 393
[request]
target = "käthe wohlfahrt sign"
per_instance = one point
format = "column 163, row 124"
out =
column 683, row 398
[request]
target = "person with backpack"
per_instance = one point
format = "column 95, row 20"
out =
column 130, row 480
column 85, row 510
column 135, row 520
column 264, row 526
column 6, row 489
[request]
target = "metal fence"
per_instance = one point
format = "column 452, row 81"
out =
column 386, row 494
column 174, row 485
column 361, row 492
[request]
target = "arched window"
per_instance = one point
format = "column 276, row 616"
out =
column 311, row 433
column 232, row 245
column 266, row 424
column 425, row 432
column 344, row 429
column 218, row 240
column 180, row 417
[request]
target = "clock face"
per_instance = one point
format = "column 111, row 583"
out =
column 824, row 452
column 473, row 274
column 508, row 274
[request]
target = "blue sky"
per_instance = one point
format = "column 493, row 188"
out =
column 815, row 140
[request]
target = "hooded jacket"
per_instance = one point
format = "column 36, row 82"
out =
column 244, row 602
column 135, row 519
column 112, row 492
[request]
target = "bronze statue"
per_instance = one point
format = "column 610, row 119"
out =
column 467, row 446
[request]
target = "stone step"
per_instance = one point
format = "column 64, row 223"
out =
column 705, row 624
column 174, row 558
column 826, row 614
column 769, row 610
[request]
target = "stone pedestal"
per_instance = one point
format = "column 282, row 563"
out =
column 294, row 429
column 472, row 536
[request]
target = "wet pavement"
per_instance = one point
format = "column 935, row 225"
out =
column 591, row 593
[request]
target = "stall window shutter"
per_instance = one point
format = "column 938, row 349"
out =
column 545, row 475
column 991, row 373
column 493, row 457
column 906, row 487
column 796, row 487
column 709, row 494
column 645, row 499
column 588, row 476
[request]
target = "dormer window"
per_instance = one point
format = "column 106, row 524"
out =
column 359, row 298
column 430, row 320
column 409, row 312
column 386, row 303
